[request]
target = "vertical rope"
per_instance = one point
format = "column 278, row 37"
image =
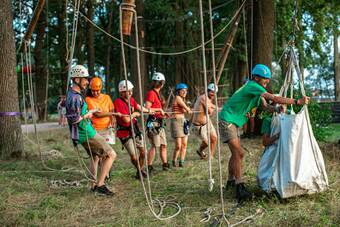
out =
column 217, row 118
column 47, row 60
column 149, row 200
column 251, row 37
column 210, row 180
column 73, row 39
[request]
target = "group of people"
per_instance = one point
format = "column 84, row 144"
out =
column 92, row 117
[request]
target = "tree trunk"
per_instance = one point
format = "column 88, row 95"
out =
column 109, row 49
column 10, row 134
column 63, row 44
column 142, row 56
column 179, row 42
column 336, row 62
column 263, row 32
column 40, row 66
column 90, row 39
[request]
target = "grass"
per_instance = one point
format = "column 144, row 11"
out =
column 27, row 198
column 334, row 129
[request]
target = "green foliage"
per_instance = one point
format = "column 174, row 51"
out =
column 321, row 117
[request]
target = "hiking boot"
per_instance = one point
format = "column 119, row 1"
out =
column 201, row 154
column 103, row 190
column 174, row 164
column 230, row 184
column 181, row 163
column 242, row 194
column 166, row 166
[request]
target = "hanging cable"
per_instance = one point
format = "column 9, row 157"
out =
column 162, row 53
column 210, row 180
column 148, row 198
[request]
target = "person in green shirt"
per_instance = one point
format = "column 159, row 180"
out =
column 82, row 131
column 268, row 140
column 233, row 116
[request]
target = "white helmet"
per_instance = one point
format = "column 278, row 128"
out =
column 79, row 71
column 122, row 85
column 213, row 88
column 158, row 76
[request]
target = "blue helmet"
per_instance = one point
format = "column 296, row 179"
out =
column 181, row 86
column 262, row 71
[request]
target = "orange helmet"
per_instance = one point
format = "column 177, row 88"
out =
column 96, row 84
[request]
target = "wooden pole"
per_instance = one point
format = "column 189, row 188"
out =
column 226, row 48
column 33, row 23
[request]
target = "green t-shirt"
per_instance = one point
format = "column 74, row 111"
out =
column 265, row 129
column 241, row 102
column 85, row 128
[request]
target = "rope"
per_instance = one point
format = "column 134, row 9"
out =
column 149, row 199
column 245, row 40
column 73, row 39
column 27, row 51
column 210, row 180
column 161, row 53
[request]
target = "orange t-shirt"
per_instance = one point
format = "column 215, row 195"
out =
column 104, row 103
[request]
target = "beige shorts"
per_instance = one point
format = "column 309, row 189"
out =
column 108, row 135
column 98, row 146
column 158, row 139
column 202, row 131
column 228, row 131
column 129, row 146
column 177, row 127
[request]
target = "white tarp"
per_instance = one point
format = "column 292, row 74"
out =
column 294, row 164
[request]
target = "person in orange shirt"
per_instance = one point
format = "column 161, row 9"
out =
column 102, row 121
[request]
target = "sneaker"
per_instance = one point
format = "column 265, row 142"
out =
column 242, row 194
column 181, row 163
column 201, row 154
column 103, row 190
column 166, row 166
column 174, row 164
column 230, row 184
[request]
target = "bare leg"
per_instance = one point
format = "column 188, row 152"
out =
column 107, row 163
column 93, row 169
column 183, row 147
column 213, row 142
column 151, row 155
column 141, row 157
column 163, row 153
column 236, row 160
column 178, row 145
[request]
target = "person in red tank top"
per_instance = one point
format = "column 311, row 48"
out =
column 124, row 130
column 155, row 124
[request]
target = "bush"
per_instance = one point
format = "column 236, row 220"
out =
column 320, row 117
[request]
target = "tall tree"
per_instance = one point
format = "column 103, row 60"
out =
column 40, row 65
column 142, row 56
column 336, row 57
column 90, row 39
column 263, row 32
column 10, row 134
